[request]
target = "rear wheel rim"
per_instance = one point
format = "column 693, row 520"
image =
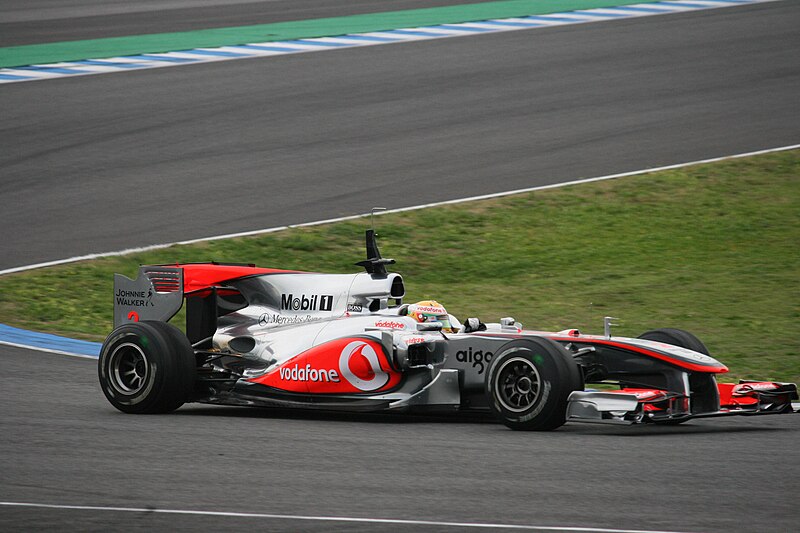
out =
column 128, row 369
column 517, row 385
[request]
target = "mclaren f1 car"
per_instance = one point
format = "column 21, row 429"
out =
column 277, row 338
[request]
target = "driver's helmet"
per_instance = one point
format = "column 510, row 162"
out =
column 430, row 311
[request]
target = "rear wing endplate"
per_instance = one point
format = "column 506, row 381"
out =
column 156, row 294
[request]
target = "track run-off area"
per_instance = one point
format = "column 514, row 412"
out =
column 100, row 163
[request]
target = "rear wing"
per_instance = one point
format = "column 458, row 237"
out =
column 156, row 294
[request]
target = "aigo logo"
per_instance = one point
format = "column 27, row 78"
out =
column 476, row 358
column 359, row 364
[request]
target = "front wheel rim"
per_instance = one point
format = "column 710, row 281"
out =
column 128, row 369
column 517, row 385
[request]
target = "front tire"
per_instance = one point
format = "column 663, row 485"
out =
column 146, row 367
column 682, row 339
column 528, row 384
column 676, row 337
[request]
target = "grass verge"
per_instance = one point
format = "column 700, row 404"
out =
column 710, row 248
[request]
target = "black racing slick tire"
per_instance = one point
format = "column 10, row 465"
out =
column 676, row 337
column 528, row 384
column 147, row 367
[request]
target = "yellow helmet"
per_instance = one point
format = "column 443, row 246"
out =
column 430, row 311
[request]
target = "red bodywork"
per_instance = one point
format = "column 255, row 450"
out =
column 731, row 395
column 744, row 394
column 343, row 366
column 718, row 368
column 715, row 368
column 200, row 276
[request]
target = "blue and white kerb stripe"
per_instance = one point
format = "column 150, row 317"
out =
column 244, row 51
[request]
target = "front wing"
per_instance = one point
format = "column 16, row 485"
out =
column 635, row 406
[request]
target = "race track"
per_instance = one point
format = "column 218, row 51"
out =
column 63, row 443
column 45, row 21
column 107, row 162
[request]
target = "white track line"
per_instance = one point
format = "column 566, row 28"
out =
column 389, row 211
column 391, row 36
column 333, row 518
column 48, row 350
column 353, row 217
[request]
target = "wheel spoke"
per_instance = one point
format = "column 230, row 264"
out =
column 518, row 384
column 128, row 368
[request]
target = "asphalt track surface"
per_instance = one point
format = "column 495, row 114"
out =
column 63, row 443
column 45, row 21
column 106, row 162
column 114, row 161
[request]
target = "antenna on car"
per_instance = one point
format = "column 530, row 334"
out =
column 372, row 216
column 374, row 264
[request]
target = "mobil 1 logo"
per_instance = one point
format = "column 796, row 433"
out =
column 301, row 302
column 477, row 358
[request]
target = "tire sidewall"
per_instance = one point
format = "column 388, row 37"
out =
column 170, row 364
column 185, row 369
column 676, row 337
column 682, row 339
column 151, row 345
column 556, row 380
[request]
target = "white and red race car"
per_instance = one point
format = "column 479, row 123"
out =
column 277, row 338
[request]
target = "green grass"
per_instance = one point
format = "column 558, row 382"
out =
column 711, row 248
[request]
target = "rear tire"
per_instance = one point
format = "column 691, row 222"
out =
column 147, row 367
column 529, row 382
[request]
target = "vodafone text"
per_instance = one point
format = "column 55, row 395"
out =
column 307, row 373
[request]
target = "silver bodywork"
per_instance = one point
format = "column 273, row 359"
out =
column 277, row 318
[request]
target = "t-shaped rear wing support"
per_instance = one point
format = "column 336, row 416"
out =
column 374, row 264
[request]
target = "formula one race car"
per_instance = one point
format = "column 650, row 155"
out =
column 277, row 338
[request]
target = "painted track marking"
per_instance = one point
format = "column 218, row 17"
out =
column 62, row 345
column 194, row 56
column 359, row 520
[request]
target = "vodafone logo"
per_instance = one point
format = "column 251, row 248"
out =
column 359, row 365
column 429, row 309
column 392, row 324
column 747, row 387
column 342, row 366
